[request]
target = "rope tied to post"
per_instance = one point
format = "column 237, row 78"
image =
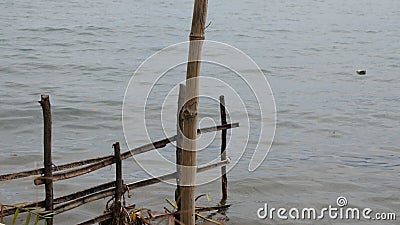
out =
column 187, row 113
column 194, row 37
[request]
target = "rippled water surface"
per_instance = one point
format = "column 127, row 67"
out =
column 337, row 132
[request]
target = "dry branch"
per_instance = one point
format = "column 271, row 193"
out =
column 65, row 198
column 81, row 201
column 56, row 168
column 76, row 172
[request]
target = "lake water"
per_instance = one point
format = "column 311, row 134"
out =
column 337, row 132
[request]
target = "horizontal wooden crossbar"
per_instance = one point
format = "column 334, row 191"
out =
column 79, row 198
column 142, row 149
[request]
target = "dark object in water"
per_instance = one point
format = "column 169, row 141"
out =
column 361, row 72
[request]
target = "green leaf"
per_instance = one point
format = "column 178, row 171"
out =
column 36, row 220
column 45, row 222
column 15, row 216
column 206, row 195
column 173, row 204
column 28, row 218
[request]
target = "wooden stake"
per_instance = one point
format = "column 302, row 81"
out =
column 119, row 188
column 190, row 113
column 48, row 164
column 224, row 179
column 179, row 140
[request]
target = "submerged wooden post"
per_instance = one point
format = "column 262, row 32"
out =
column 224, row 179
column 118, row 185
column 179, row 140
column 48, row 164
column 188, row 181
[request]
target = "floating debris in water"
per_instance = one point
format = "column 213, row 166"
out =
column 361, row 72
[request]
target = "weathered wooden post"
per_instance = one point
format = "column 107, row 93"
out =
column 179, row 140
column 188, row 181
column 48, row 164
column 118, row 185
column 224, row 179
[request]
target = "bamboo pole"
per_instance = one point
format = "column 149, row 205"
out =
column 119, row 189
column 108, row 161
column 224, row 179
column 179, row 140
column 48, row 164
column 190, row 112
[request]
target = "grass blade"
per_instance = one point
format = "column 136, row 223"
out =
column 28, row 218
column 173, row 204
column 15, row 216
column 36, row 220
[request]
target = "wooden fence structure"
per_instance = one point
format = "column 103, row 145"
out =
column 51, row 173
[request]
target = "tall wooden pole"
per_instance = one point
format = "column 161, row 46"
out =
column 48, row 164
column 188, row 181
column 179, row 140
